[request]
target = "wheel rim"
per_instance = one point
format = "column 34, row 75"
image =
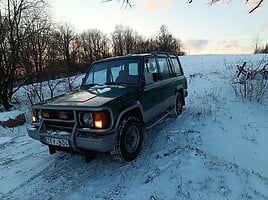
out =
column 132, row 139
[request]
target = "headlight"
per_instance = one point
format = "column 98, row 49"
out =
column 98, row 120
column 86, row 120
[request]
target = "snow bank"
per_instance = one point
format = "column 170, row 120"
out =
column 4, row 116
column 217, row 149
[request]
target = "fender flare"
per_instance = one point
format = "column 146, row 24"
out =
column 136, row 105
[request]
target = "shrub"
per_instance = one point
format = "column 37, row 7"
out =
column 251, row 81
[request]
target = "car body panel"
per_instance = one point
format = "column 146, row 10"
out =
column 149, row 101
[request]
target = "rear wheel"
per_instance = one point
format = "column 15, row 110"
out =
column 129, row 139
column 178, row 105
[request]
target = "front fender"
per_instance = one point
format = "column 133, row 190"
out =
column 132, row 110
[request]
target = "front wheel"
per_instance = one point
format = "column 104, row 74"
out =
column 129, row 139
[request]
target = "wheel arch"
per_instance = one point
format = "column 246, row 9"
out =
column 180, row 91
column 135, row 110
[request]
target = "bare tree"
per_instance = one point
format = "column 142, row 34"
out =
column 128, row 3
column 87, row 52
column 140, row 44
column 125, row 3
column 14, row 21
column 257, row 4
column 125, row 40
column 117, row 40
column 54, row 55
column 131, row 40
column 95, row 45
column 167, row 42
column 65, row 36
column 37, row 44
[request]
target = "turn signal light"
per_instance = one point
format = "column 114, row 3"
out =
column 34, row 117
column 100, row 120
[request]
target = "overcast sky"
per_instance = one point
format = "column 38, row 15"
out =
column 204, row 29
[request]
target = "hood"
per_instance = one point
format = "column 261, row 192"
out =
column 88, row 98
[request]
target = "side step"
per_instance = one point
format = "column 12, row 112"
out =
column 158, row 120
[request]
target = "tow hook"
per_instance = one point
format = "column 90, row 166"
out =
column 51, row 150
column 90, row 156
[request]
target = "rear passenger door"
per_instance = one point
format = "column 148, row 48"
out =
column 166, row 89
column 150, row 98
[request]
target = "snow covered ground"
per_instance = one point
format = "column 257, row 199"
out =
column 217, row 149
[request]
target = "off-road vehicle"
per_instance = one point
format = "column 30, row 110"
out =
column 118, row 100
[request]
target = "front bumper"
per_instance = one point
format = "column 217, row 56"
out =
column 89, row 142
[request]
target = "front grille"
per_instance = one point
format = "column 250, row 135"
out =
column 63, row 126
column 63, row 120
column 61, row 115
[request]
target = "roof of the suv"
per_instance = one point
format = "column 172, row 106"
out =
column 136, row 56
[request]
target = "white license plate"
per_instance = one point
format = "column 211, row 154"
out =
column 56, row 142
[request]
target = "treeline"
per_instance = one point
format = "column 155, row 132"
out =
column 263, row 49
column 33, row 48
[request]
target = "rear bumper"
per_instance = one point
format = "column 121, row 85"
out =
column 100, row 143
column 185, row 92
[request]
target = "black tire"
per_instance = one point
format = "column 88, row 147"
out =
column 129, row 139
column 178, row 105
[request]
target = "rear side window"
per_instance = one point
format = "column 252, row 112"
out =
column 176, row 66
column 151, row 71
column 163, row 66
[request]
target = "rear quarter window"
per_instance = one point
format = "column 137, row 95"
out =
column 176, row 65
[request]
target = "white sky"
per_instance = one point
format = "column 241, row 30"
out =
column 203, row 29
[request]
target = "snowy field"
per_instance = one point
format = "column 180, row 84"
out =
column 217, row 149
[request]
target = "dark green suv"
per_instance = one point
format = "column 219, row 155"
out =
column 119, row 98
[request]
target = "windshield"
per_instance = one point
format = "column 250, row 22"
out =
column 121, row 72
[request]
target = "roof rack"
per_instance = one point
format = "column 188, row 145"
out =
column 162, row 52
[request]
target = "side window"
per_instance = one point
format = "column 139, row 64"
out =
column 127, row 73
column 99, row 76
column 133, row 69
column 176, row 66
column 115, row 72
column 150, row 70
column 163, row 65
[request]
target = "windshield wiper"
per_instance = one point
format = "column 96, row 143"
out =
column 116, row 83
column 92, row 84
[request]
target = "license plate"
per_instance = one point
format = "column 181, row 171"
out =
column 56, row 142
